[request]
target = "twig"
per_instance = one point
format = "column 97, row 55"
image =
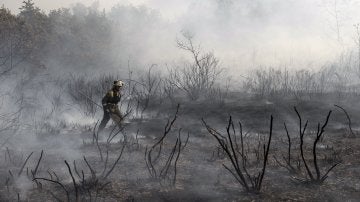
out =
column 148, row 157
column 302, row 132
column 73, row 180
column 22, row 167
column 37, row 165
column 116, row 162
column 56, row 182
column 348, row 117
column 93, row 173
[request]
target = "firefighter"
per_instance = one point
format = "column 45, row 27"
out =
column 110, row 105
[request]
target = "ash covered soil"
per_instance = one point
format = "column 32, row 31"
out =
column 200, row 174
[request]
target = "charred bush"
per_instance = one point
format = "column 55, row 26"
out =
column 239, row 157
column 164, row 170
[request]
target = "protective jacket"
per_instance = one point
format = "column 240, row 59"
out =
column 111, row 109
column 111, row 97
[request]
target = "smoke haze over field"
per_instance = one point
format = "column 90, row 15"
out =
column 191, row 63
column 241, row 33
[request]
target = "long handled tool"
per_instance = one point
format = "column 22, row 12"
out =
column 87, row 97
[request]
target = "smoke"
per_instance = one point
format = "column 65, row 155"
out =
column 243, row 34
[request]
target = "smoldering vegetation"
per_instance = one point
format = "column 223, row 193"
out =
column 190, row 133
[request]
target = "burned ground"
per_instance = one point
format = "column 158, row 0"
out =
column 200, row 174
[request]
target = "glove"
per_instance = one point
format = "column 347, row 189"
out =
column 106, row 107
column 110, row 108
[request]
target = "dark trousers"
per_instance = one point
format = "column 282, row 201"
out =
column 112, row 112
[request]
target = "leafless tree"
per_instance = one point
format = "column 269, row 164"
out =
column 198, row 77
column 149, row 90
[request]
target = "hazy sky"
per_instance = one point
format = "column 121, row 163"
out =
column 303, row 33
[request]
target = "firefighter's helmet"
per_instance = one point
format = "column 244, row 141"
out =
column 118, row 83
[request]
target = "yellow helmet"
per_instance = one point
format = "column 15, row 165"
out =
column 118, row 83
